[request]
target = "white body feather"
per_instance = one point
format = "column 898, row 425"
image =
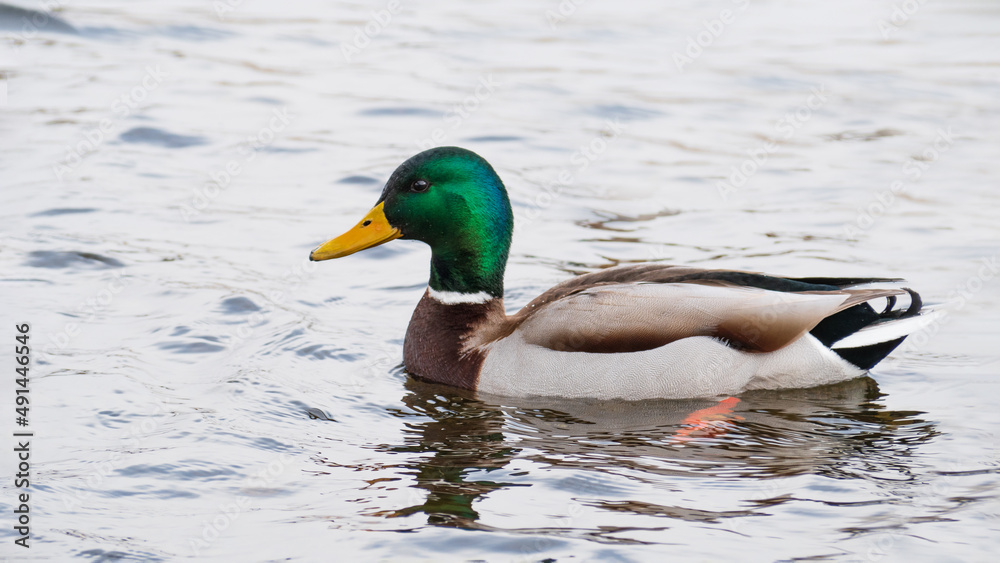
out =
column 699, row 366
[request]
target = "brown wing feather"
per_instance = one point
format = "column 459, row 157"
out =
column 636, row 308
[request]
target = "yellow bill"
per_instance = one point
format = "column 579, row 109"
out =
column 373, row 230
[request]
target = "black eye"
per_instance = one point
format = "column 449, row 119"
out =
column 419, row 186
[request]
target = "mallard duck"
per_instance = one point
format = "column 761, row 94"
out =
column 628, row 332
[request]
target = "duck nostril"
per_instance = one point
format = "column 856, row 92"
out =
column 366, row 223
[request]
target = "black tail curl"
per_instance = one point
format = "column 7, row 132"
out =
column 849, row 321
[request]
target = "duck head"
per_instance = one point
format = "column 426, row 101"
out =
column 451, row 199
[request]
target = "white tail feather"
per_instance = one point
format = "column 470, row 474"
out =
column 886, row 331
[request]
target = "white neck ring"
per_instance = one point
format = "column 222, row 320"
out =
column 458, row 298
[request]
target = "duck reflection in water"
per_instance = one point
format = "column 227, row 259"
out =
column 462, row 434
column 840, row 431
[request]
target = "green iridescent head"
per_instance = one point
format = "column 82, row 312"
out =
column 451, row 199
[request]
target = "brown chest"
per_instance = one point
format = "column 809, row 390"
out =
column 436, row 346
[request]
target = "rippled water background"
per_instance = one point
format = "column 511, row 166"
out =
column 200, row 390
